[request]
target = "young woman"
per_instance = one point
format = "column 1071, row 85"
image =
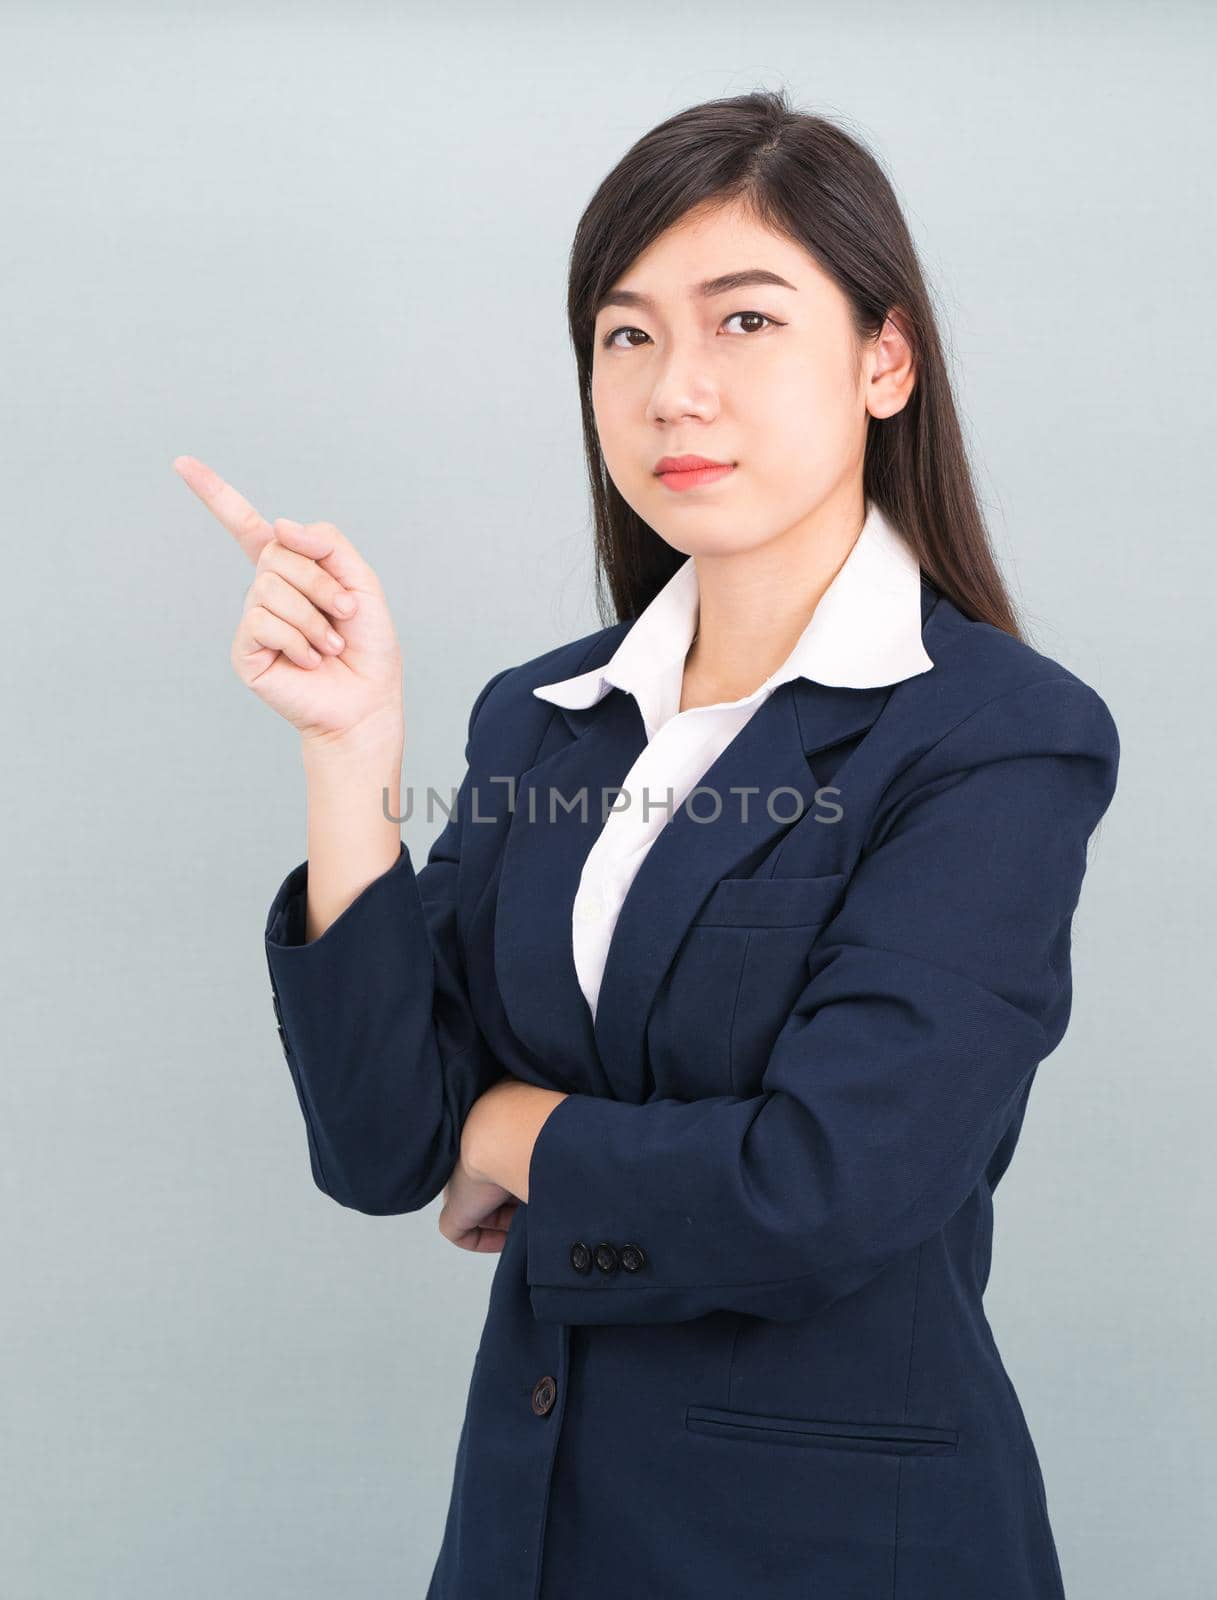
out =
column 716, row 1005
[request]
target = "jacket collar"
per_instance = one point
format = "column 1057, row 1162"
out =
column 864, row 633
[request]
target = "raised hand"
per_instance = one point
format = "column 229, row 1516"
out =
column 315, row 640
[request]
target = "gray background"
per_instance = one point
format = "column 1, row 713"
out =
column 324, row 250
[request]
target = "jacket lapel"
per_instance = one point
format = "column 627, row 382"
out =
column 769, row 760
column 592, row 750
column 586, row 750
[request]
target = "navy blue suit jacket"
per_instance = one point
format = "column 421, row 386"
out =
column 735, row 1343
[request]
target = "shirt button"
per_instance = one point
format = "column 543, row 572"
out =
column 590, row 908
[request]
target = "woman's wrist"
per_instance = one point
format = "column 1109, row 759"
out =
column 354, row 819
column 501, row 1129
column 376, row 740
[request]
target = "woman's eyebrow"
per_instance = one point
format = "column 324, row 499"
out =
column 711, row 286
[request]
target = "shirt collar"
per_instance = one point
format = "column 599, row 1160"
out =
column 865, row 632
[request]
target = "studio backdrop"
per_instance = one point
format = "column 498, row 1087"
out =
column 323, row 249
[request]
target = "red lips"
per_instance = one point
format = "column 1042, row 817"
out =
column 686, row 463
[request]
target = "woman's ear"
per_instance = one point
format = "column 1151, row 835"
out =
column 892, row 371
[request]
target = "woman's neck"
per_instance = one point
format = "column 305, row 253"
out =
column 754, row 604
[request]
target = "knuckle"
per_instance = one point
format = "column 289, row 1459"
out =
column 249, row 523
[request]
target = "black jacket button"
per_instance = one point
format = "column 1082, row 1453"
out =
column 607, row 1258
column 544, row 1393
column 632, row 1257
column 580, row 1257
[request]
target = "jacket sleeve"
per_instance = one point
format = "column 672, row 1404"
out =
column 375, row 1022
column 935, row 991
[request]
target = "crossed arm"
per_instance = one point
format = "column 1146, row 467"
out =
column 501, row 1129
column 931, row 997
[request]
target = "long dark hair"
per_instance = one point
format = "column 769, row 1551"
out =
column 806, row 178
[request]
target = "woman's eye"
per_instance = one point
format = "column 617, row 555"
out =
column 759, row 314
column 609, row 338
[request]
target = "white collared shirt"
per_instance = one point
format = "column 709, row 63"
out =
column 865, row 632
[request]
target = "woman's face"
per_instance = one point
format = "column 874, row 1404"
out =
column 767, row 376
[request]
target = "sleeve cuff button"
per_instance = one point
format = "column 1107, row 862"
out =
column 580, row 1257
column 607, row 1257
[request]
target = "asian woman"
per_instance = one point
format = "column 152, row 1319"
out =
column 716, row 1005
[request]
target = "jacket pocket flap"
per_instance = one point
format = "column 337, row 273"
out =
column 770, row 902
column 895, row 1438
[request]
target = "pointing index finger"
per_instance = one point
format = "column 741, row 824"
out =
column 248, row 526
